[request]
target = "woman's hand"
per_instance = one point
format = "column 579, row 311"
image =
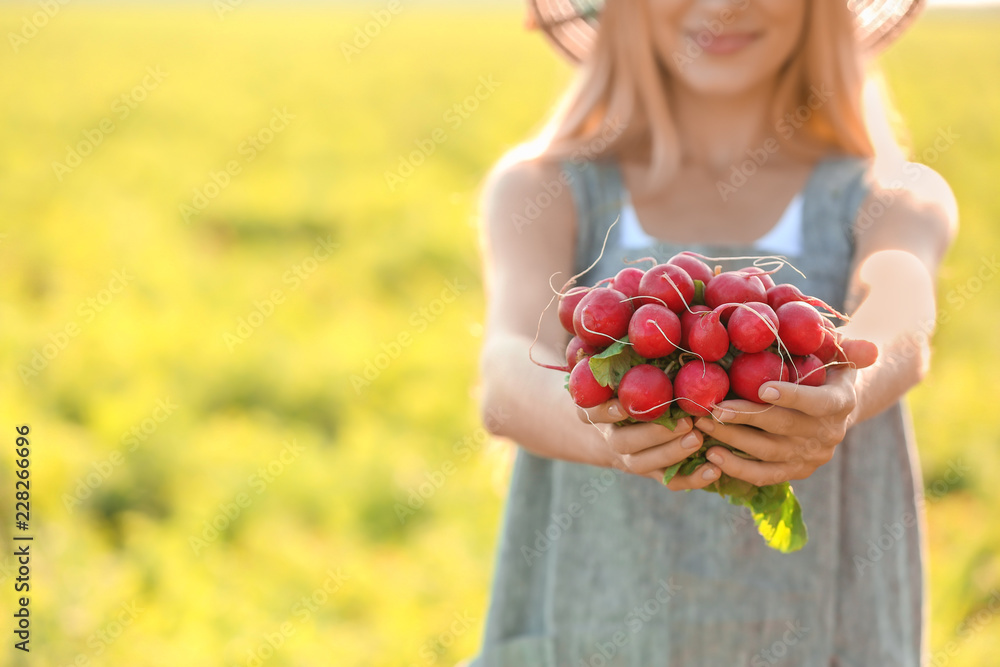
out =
column 796, row 433
column 649, row 449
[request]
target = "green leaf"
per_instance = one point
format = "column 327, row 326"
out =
column 666, row 419
column 775, row 509
column 778, row 516
column 737, row 491
column 615, row 348
column 699, row 293
column 669, row 473
column 610, row 365
column 691, row 464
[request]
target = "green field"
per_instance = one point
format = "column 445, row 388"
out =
column 248, row 356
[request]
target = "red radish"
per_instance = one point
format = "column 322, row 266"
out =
column 808, row 371
column 828, row 351
column 699, row 387
column 577, row 349
column 800, row 327
column 627, row 281
column 688, row 320
column 654, row 331
column 645, row 392
column 734, row 287
column 667, row 284
column 708, row 338
column 567, row 304
column 584, row 388
column 602, row 316
column 749, row 371
column 764, row 276
column 694, row 267
column 748, row 332
column 779, row 295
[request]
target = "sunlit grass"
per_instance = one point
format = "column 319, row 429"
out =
column 248, row 264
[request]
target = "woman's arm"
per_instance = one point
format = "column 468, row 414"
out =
column 521, row 400
column 891, row 296
column 892, row 290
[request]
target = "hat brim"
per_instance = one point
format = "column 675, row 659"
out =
column 571, row 25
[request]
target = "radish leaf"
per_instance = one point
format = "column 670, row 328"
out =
column 610, row 365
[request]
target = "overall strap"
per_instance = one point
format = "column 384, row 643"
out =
column 597, row 196
column 832, row 200
column 836, row 191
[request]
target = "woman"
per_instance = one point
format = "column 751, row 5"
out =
column 731, row 128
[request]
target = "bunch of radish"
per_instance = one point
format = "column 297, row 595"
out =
column 675, row 340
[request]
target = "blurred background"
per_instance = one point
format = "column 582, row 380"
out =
column 241, row 308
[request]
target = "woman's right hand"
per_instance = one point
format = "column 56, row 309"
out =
column 649, row 449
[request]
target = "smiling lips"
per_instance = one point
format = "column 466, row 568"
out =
column 723, row 44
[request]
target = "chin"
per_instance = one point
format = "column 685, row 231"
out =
column 721, row 80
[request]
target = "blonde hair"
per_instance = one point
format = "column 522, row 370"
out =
column 620, row 85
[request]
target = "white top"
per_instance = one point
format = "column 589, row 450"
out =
column 785, row 238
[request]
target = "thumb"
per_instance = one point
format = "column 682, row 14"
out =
column 608, row 412
column 861, row 353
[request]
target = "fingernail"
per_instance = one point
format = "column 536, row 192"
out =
column 715, row 458
column 769, row 394
column 705, row 425
column 689, row 441
column 726, row 415
column 615, row 412
column 708, row 474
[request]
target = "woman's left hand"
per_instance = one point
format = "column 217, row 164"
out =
column 796, row 432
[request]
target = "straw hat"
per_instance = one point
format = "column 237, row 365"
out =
column 571, row 25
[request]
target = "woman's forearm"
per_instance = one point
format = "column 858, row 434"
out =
column 897, row 315
column 529, row 404
column 899, row 368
